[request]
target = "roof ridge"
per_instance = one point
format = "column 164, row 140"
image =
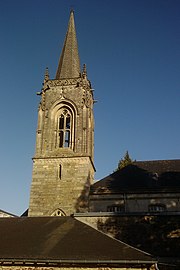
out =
column 156, row 160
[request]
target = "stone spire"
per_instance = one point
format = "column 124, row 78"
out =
column 69, row 63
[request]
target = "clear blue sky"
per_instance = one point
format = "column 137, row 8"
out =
column 132, row 52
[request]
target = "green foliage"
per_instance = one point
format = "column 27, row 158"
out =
column 158, row 235
column 126, row 160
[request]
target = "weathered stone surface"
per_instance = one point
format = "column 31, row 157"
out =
column 62, row 175
column 68, row 192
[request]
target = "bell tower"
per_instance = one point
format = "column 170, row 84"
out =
column 63, row 165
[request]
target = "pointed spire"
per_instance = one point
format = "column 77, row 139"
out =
column 69, row 63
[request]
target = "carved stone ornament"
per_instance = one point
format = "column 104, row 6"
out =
column 43, row 100
column 64, row 82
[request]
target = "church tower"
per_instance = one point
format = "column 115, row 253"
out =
column 63, row 165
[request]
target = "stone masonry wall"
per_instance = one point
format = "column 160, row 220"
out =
column 60, row 183
column 135, row 202
column 62, row 174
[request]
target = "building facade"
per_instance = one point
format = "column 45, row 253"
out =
column 142, row 187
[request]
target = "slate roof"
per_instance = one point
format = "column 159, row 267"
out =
column 63, row 240
column 159, row 166
column 159, row 175
column 69, row 63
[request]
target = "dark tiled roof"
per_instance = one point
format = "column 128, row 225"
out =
column 159, row 166
column 61, row 239
column 160, row 175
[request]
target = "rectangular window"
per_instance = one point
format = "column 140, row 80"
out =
column 157, row 207
column 60, row 172
column 116, row 208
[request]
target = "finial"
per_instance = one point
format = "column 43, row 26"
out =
column 84, row 72
column 46, row 75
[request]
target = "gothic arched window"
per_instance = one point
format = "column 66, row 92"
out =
column 64, row 128
column 58, row 212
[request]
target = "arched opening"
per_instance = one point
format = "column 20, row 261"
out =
column 64, row 129
column 58, row 212
column 63, row 117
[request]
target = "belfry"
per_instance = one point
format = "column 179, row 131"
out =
column 63, row 165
